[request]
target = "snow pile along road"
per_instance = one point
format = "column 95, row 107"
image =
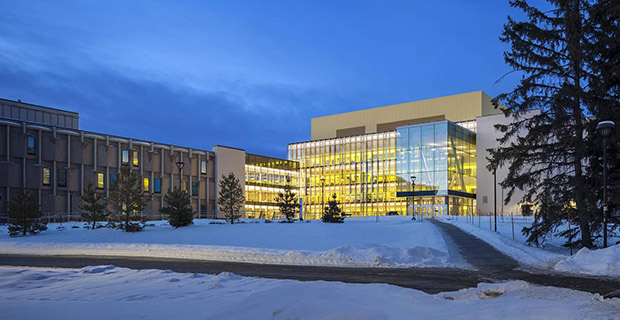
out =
column 600, row 262
column 359, row 242
column 108, row 292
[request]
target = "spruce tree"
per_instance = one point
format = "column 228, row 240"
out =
column 24, row 215
column 127, row 200
column 178, row 208
column 93, row 206
column 288, row 203
column 544, row 147
column 230, row 197
column 332, row 212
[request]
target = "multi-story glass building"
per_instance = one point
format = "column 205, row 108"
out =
column 368, row 158
column 265, row 178
column 439, row 160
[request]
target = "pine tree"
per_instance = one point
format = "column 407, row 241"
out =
column 288, row 203
column 230, row 197
column 127, row 200
column 332, row 212
column 93, row 206
column 604, row 81
column 544, row 150
column 24, row 215
column 178, row 208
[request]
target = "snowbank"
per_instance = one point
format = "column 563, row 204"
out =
column 108, row 292
column 359, row 242
column 600, row 262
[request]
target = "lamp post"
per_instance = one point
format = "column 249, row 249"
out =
column 604, row 128
column 495, row 195
column 180, row 165
column 413, row 197
column 322, row 195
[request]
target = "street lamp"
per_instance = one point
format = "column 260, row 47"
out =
column 322, row 195
column 604, row 128
column 413, row 197
column 495, row 195
column 180, row 165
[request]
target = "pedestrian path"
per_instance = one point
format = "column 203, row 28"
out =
column 476, row 252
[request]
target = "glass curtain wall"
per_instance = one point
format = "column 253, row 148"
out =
column 265, row 177
column 442, row 157
column 360, row 170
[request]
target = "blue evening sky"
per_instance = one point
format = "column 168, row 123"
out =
column 247, row 74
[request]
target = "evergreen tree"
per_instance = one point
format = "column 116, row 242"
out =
column 127, row 200
column 544, row 150
column 93, row 206
column 604, row 81
column 288, row 203
column 332, row 212
column 178, row 208
column 230, row 197
column 24, row 215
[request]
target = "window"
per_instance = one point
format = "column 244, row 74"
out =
column 157, row 185
column 203, row 167
column 485, row 199
column 113, row 178
column 185, row 185
column 99, row 180
column 146, row 184
column 32, row 145
column 136, row 159
column 62, row 177
column 125, row 157
column 194, row 188
column 46, row 176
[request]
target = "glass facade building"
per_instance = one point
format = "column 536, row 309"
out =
column 360, row 170
column 265, row 177
column 442, row 158
column 371, row 173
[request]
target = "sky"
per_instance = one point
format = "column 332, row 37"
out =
column 246, row 74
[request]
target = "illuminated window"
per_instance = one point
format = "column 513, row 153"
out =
column 136, row 159
column 62, row 177
column 194, row 188
column 100, row 180
column 185, row 185
column 47, row 176
column 146, row 184
column 32, row 145
column 125, row 157
column 203, row 167
column 157, row 185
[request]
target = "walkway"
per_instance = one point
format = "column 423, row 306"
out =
column 476, row 252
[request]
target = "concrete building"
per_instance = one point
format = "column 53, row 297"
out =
column 44, row 151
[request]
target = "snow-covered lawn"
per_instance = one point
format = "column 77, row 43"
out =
column 601, row 262
column 108, row 292
column 391, row 242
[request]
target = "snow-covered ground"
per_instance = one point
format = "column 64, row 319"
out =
column 108, row 292
column 601, row 262
column 359, row 242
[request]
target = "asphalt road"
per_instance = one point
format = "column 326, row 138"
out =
column 490, row 266
column 430, row 280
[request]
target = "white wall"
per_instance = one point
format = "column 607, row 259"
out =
column 228, row 160
column 486, row 137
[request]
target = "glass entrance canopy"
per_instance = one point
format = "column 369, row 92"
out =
column 442, row 157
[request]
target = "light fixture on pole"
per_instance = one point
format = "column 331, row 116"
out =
column 413, row 197
column 322, row 195
column 180, row 165
column 604, row 128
